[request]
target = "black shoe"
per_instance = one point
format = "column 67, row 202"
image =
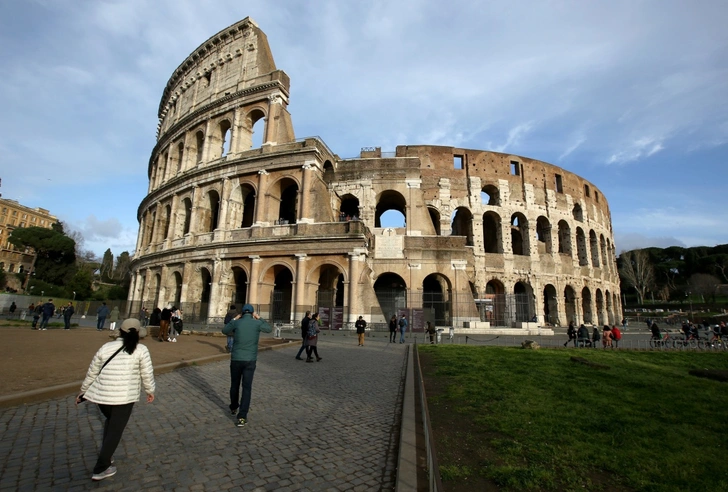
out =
column 318, row 359
column 299, row 358
column 233, row 412
column 309, row 360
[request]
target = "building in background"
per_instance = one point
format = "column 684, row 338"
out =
column 240, row 211
column 12, row 260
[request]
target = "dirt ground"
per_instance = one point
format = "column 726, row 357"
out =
column 35, row 359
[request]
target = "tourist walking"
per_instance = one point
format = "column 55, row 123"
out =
column 113, row 381
column 101, row 313
column 393, row 329
column 304, row 334
column 164, row 320
column 571, row 331
column 361, row 329
column 245, row 329
column 229, row 316
column 67, row 313
column 48, row 309
column 312, row 339
column 402, row 328
column 113, row 318
column 431, row 332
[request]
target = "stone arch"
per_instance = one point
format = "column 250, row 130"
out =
column 495, row 303
column 543, row 235
column 594, row 247
column 209, row 211
column 156, row 288
column 550, row 305
column 225, row 132
column 581, row 247
column 570, row 305
column 255, row 129
column 180, row 156
column 205, row 280
column 436, row 299
column 277, row 286
column 285, row 193
column 390, row 200
column 490, row 195
column 578, row 213
column 435, row 218
column 330, row 292
column 519, row 234
column 328, row 171
column 166, row 221
column 522, row 307
column 241, row 205
column 564, row 238
column 586, row 305
column 240, row 287
column 186, row 216
column 601, row 318
column 349, row 208
column 199, row 146
column 492, row 233
column 462, row 224
column 391, row 292
column 603, row 251
column 177, row 282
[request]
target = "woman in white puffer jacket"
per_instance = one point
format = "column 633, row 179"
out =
column 116, row 388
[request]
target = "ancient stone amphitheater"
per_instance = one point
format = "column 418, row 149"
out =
column 240, row 210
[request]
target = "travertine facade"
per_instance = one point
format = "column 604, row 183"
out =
column 239, row 210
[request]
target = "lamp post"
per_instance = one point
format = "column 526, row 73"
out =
column 74, row 296
column 42, row 292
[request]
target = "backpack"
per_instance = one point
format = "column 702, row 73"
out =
column 401, row 322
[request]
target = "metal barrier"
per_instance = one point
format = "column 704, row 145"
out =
column 433, row 469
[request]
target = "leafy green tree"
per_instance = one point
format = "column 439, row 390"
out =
column 107, row 266
column 55, row 252
column 80, row 284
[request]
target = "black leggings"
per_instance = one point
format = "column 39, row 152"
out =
column 311, row 348
column 116, row 418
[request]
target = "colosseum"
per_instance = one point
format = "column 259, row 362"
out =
column 240, row 210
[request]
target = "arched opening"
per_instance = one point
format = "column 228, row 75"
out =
column 187, row 204
column 493, row 304
column 603, row 249
column 435, row 218
column 212, row 212
column 285, row 191
column 330, row 296
column 564, row 238
column 550, row 306
column 523, row 302
column 594, row 245
column 581, row 247
column 391, row 210
column 156, row 288
column 225, row 140
column 436, row 295
column 240, row 293
column 199, row 145
column 391, row 292
column 328, row 171
column 578, row 214
column 519, row 234
column 570, row 305
column 349, row 209
column 177, row 289
column 543, row 234
column 257, row 128
column 462, row 224
column 601, row 318
column 492, row 242
column 490, row 195
column 180, row 156
column 206, row 287
column 282, row 295
column 162, row 173
column 249, row 197
column 165, row 222
column 586, row 305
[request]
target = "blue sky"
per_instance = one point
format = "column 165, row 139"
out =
column 632, row 95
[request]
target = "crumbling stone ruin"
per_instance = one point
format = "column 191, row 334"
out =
column 240, row 210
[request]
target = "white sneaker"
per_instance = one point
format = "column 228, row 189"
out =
column 169, row 339
column 174, row 339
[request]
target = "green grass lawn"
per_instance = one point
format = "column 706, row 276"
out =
column 534, row 420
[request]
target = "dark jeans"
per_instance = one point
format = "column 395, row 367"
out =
column 100, row 326
column 311, row 349
column 116, row 418
column 392, row 336
column 67, row 322
column 303, row 347
column 241, row 370
column 44, row 322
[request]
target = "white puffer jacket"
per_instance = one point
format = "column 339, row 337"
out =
column 120, row 381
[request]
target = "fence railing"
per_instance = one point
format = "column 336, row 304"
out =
column 434, row 480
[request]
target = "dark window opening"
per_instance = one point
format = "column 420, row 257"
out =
column 586, row 190
column 515, row 168
column 559, row 185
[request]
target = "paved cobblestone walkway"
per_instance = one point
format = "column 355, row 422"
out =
column 326, row 426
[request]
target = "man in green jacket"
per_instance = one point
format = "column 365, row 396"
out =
column 245, row 329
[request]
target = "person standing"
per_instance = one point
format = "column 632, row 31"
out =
column 616, row 335
column 402, row 328
column 113, row 382
column 232, row 312
column 175, row 324
column 48, row 309
column 304, row 334
column 101, row 313
column 431, row 332
column 312, row 339
column 606, row 337
column 12, row 309
column 595, row 337
column 113, row 318
column 67, row 313
column 571, row 331
column 393, row 329
column 143, row 317
column 361, row 328
column 164, row 320
column 245, row 330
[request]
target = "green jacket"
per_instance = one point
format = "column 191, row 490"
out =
column 246, row 333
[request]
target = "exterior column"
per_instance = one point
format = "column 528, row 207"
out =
column 216, row 288
column 147, row 283
column 304, row 214
column 172, row 234
column 253, row 280
column 193, row 212
column 578, row 313
column 186, row 274
column 206, row 144
column 259, row 205
column 299, row 309
column 235, row 131
column 222, row 226
column 163, row 285
column 356, row 258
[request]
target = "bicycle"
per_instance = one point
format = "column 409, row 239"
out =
column 661, row 343
column 689, row 342
column 714, row 343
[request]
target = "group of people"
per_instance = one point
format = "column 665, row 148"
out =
column 609, row 336
column 397, row 325
column 43, row 312
column 310, row 329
